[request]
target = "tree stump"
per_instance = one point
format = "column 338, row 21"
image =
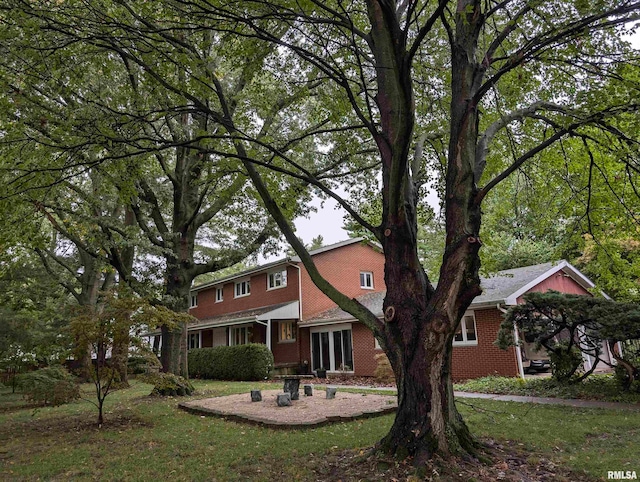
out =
column 283, row 399
column 256, row 396
column 331, row 392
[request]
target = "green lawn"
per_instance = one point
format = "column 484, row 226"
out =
column 595, row 387
column 148, row 438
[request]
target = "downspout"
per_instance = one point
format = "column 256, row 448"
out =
column 517, row 340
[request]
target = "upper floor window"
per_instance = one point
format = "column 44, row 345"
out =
column 366, row 280
column 466, row 334
column 219, row 294
column 277, row 279
column 243, row 288
column 287, row 331
column 194, row 300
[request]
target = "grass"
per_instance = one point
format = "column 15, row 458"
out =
column 146, row 438
column 595, row 387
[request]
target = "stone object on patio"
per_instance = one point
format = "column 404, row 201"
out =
column 283, row 399
column 256, row 396
column 331, row 392
column 308, row 390
column 292, row 384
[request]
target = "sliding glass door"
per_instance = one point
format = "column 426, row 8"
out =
column 332, row 348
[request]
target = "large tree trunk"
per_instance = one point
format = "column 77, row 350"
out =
column 170, row 355
column 427, row 420
column 173, row 354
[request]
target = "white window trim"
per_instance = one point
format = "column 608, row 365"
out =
column 235, row 288
column 282, row 285
column 331, row 329
column 192, row 297
column 293, row 332
column 365, row 273
column 463, row 326
column 221, row 289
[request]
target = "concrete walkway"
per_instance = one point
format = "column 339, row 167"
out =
column 522, row 399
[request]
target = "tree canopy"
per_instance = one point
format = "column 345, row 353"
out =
column 392, row 98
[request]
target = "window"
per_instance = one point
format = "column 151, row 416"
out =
column 366, row 280
column 277, row 279
column 219, row 294
column 194, row 300
column 243, row 288
column 332, row 349
column 466, row 334
column 287, row 331
column 194, row 340
column 240, row 335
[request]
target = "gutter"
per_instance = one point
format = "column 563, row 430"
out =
column 517, row 347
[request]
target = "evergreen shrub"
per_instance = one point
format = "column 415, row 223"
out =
column 168, row 384
column 49, row 386
column 253, row 361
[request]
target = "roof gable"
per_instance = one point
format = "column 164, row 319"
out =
column 504, row 287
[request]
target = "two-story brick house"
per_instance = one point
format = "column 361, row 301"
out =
column 267, row 304
column 278, row 304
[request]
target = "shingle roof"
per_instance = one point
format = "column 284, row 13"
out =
column 498, row 287
column 495, row 289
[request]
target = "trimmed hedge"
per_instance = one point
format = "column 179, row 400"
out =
column 241, row 362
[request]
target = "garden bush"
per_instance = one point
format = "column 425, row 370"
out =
column 383, row 371
column 169, row 384
column 631, row 352
column 566, row 362
column 49, row 386
column 143, row 363
column 253, row 361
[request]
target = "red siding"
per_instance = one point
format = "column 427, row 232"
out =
column 342, row 267
column 484, row 358
column 558, row 282
column 259, row 296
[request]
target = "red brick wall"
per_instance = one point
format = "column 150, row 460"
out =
column 484, row 358
column 259, row 296
column 558, row 282
column 364, row 351
column 342, row 268
column 283, row 352
column 304, row 344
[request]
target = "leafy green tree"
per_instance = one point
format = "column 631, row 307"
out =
column 568, row 326
column 503, row 81
column 400, row 89
column 129, row 123
column 33, row 317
